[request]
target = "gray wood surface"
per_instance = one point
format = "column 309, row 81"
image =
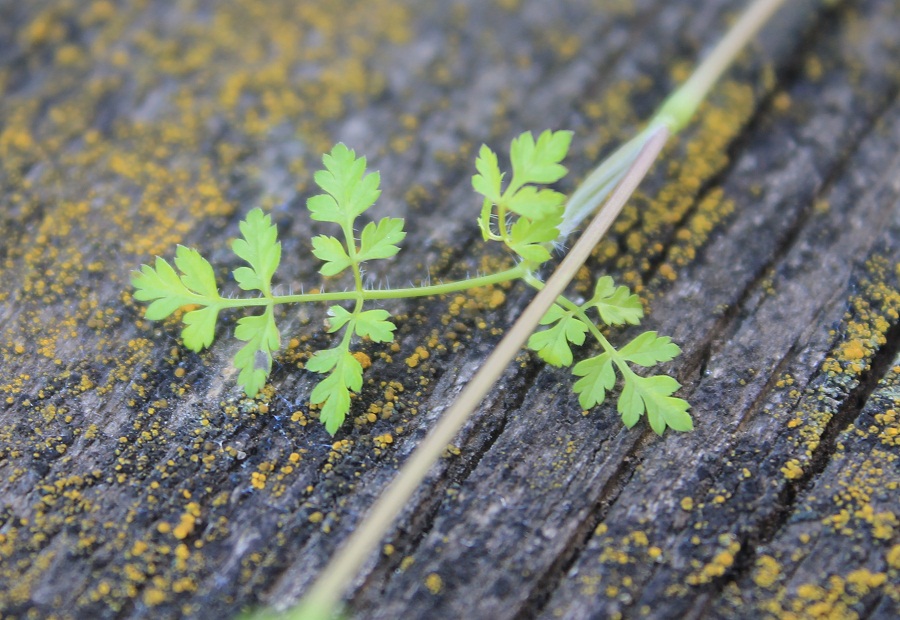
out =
column 767, row 244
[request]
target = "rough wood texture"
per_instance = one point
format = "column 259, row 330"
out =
column 136, row 482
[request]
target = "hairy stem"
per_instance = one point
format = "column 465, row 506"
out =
column 507, row 275
column 350, row 241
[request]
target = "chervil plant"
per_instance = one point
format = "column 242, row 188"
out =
column 610, row 185
column 522, row 213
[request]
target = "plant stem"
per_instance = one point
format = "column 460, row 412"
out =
column 677, row 110
column 675, row 113
column 507, row 275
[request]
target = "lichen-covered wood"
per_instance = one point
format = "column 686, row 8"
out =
column 137, row 481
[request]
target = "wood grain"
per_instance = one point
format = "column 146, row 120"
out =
column 136, row 482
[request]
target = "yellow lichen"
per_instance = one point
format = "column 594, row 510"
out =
column 434, row 583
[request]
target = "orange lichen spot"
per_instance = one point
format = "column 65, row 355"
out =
column 782, row 102
column 821, row 206
column 813, row 68
column 364, row 360
column 258, row 480
column 810, row 591
column 853, row 350
column 509, row 5
column 496, row 299
column 184, row 584
column 687, row 504
column 639, row 538
column 792, row 469
column 893, row 557
column 154, row 596
column 717, row 566
column 185, row 527
column 767, row 571
column 667, row 272
column 69, row 55
column 139, row 547
column 434, row 583
column 864, row 581
column 133, row 573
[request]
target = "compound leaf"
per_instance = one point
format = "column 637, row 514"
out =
column 649, row 349
column 539, row 162
column 597, row 377
column 254, row 359
column 374, row 325
column 349, row 190
column 333, row 392
column 528, row 238
column 555, row 313
column 616, row 305
column 324, row 208
column 259, row 246
column 536, row 204
column 630, row 404
column 334, row 408
column 162, row 286
column 330, row 250
column 199, row 328
column 324, row 361
column 168, row 292
column 654, row 395
column 552, row 345
column 196, row 272
column 379, row 240
column 487, row 181
column 338, row 317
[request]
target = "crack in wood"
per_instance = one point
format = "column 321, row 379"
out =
column 849, row 410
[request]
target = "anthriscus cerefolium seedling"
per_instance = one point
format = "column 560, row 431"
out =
column 517, row 210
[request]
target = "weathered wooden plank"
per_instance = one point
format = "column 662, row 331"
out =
column 523, row 504
column 131, row 471
column 837, row 552
column 779, row 393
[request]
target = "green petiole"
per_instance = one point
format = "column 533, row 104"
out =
column 428, row 290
